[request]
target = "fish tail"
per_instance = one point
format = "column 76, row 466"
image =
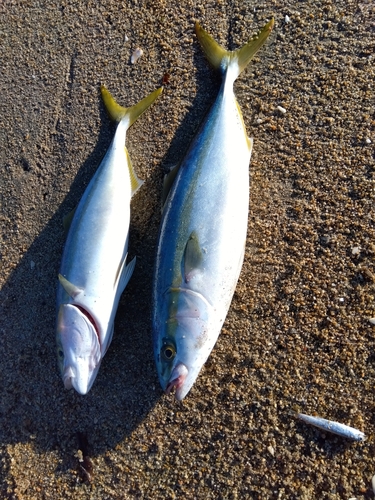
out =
column 236, row 60
column 293, row 413
column 119, row 113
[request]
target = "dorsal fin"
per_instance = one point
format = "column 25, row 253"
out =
column 135, row 181
column 168, row 182
column 67, row 220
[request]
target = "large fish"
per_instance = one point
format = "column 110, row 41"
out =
column 203, row 229
column 94, row 271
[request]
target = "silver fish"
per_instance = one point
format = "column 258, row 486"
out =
column 330, row 426
column 94, row 271
column 203, row 229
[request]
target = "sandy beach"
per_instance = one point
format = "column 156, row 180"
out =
column 298, row 335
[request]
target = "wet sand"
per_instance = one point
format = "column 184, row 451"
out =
column 297, row 335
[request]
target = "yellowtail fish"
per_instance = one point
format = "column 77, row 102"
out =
column 94, row 270
column 330, row 426
column 203, row 229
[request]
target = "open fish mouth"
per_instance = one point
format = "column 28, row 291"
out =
column 80, row 382
column 177, row 379
column 80, row 343
column 80, row 376
column 68, row 377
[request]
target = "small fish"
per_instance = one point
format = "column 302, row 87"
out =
column 330, row 426
column 94, row 271
column 203, row 229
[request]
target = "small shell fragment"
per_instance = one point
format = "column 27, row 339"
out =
column 136, row 55
column 287, row 19
column 330, row 426
column 281, row 109
column 356, row 251
column 271, row 450
column 372, row 321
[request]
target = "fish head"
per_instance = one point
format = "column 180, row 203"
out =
column 78, row 348
column 183, row 343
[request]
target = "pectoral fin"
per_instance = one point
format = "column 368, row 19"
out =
column 193, row 257
column 71, row 290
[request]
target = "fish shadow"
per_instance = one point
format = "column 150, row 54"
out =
column 34, row 406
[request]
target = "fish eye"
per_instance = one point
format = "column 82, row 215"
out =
column 168, row 352
column 60, row 353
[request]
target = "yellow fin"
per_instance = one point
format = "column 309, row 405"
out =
column 135, row 181
column 118, row 113
column 214, row 52
column 221, row 59
column 249, row 140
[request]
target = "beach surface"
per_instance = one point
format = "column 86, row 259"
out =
column 298, row 335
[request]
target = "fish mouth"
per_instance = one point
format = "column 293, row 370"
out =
column 80, row 343
column 82, row 383
column 68, row 377
column 177, row 380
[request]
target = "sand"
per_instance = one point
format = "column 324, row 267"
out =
column 297, row 335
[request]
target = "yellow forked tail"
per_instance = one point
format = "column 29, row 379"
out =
column 129, row 115
column 222, row 59
column 117, row 112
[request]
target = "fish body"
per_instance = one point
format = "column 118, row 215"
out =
column 203, row 231
column 330, row 426
column 94, row 269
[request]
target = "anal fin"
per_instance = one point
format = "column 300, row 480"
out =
column 124, row 274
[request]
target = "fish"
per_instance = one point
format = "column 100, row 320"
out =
column 94, row 270
column 203, row 229
column 330, row 426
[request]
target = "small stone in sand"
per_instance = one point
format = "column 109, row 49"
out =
column 136, row 55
